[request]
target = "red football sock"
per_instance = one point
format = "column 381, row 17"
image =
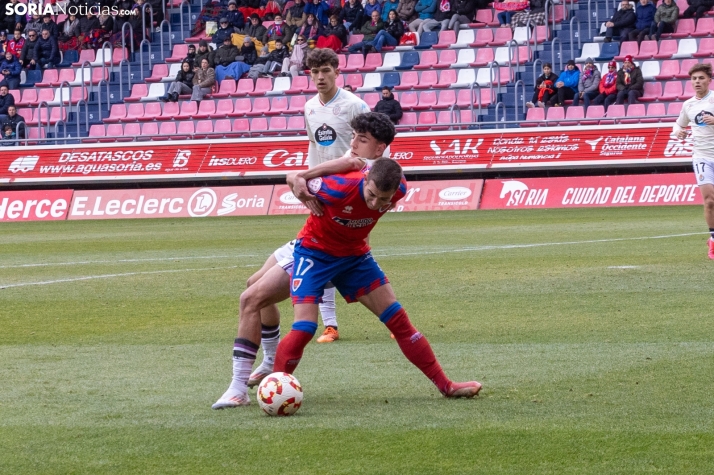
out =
column 417, row 349
column 290, row 350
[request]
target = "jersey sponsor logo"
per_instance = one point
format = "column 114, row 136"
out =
column 202, row 203
column 24, row 164
column 699, row 119
column 314, row 185
column 454, row 193
column 354, row 223
column 325, row 135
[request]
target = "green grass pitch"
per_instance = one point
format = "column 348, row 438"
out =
column 591, row 330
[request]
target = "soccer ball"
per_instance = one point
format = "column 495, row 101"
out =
column 280, row 394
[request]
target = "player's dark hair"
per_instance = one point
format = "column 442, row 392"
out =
column 377, row 124
column 705, row 68
column 386, row 174
column 319, row 57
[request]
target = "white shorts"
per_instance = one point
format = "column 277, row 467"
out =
column 703, row 171
column 284, row 256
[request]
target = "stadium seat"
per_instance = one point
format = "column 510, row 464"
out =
column 138, row 91
column 408, row 81
column 687, row 48
column 117, row 113
column 297, row 123
column 242, row 107
column 648, row 49
column 573, row 115
column 261, row 106
column 185, row 129
column 391, row 80
column 280, row 85
column 673, row 109
column 170, row 111
column 425, row 121
column 541, row 34
column 296, row 105
column 221, row 128
column 409, row 60
column 446, row 39
column 371, row 98
column 353, row 64
column 627, row 48
column 446, row 120
column 535, row 117
column 34, row 133
column 447, row 98
column 613, row 114
column 262, row 86
column 465, row 38
column 188, row 110
column 483, row 57
column 32, row 77
column 354, row 80
column 501, row 37
column 466, row 57
column 652, row 92
column 245, row 87
column 49, row 78
column 95, row 132
column 485, row 17
column 478, row 98
column 259, row 126
column 173, row 71
column 483, row 37
column 447, row 58
column 466, row 77
column 371, row 62
column 590, row 50
column 553, row 116
column 179, row 52
column 427, row 100
column 224, row 109
column 667, row 48
column 132, row 131
column 372, row 81
column 134, row 112
column 427, row 60
column 68, row 57
column 206, row 109
column 311, row 88
column 152, row 110
column 688, row 91
column 427, row 80
column 166, row 131
column 705, row 27
column 298, row 85
column 158, row 72
column 427, row 40
column 635, row 113
column 278, row 105
column 391, row 61
column 650, row 70
column 408, row 100
column 706, row 48
column 86, row 55
column 669, row 68
column 227, row 88
column 204, row 128
column 672, row 90
column 116, row 132
column 407, row 122
column 593, row 115
column 354, row 39
column 520, row 35
column 608, row 51
column 277, row 126
column 684, row 68
column 502, row 76
column 447, row 78
column 29, row 97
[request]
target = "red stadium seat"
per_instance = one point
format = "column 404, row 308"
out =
column 668, row 70
column 152, row 110
column 134, row 112
column 427, row 80
column 95, row 132
column 427, row 60
column 674, row 108
column 371, row 98
column 446, row 39
column 573, row 115
column 29, row 97
column 84, row 56
column 648, row 49
column 259, row 125
column 204, row 128
column 117, row 132
column 409, row 100
column 426, row 121
column 371, row 62
column 554, row 115
column 482, row 38
column 242, row 106
column 501, row 37
column 117, row 113
column 447, row 98
column 654, row 113
column 354, row 63
column 706, row 48
column 447, row 77
column 188, row 110
column 297, row 105
column 672, row 90
column 615, row 111
column 297, row 122
column 261, row 106
column 652, row 92
column 298, row 85
column 666, row 49
column 483, row 57
column 180, row 51
column 427, row 99
column 407, row 122
column 685, row 28
column 206, row 109
column 171, row 110
column 186, row 128
column 158, row 72
column 166, row 131
column 534, row 117
column 226, row 89
column 150, row 129
column 705, row 27
column 408, row 81
column 262, row 85
column 138, row 91
column 49, row 78
column 627, row 48
column 222, row 127
column 245, row 87
column 593, row 115
column 276, row 125
column 240, row 127
column 224, row 108
column 354, row 80
column 278, row 105
column 446, row 59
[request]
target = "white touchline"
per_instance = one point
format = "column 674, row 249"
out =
column 77, row 263
column 110, row 276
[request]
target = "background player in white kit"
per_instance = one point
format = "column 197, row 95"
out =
column 699, row 111
column 327, row 119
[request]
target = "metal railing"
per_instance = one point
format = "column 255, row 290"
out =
column 572, row 54
column 143, row 20
column 186, row 2
column 560, row 51
column 141, row 57
column 121, row 77
column 500, row 105
column 123, row 37
column 523, row 100
column 39, row 120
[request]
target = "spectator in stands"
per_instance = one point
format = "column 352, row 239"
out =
column 621, row 23
column 34, row 24
column 234, row 16
column 319, row 8
column 271, row 8
column 106, row 23
column 205, row 51
column 296, row 62
column 28, row 50
column 3, row 41
column 275, row 58
column 311, row 29
column 406, row 11
column 442, row 16
column 203, row 81
column 68, row 32
column 388, row 6
column 48, row 24
column 225, row 30
column 588, row 83
column 544, row 87
column 9, row 138
column 12, row 21
column 334, row 35
column 47, row 53
column 534, row 14
column 352, row 15
column 369, row 30
column 13, row 119
column 608, row 86
column 506, row 10
column 15, row 44
column 645, row 16
column 697, row 8
column 158, row 10
column 190, row 56
column 664, row 20
column 464, row 11
column 278, row 30
column 370, row 6
column 630, row 83
column 10, row 67
column 90, row 22
column 6, row 100
column 256, row 30
column 425, row 9
column 183, row 84
column 248, row 51
column 389, row 105
column 390, row 35
column 295, row 17
column 567, row 85
column 225, row 54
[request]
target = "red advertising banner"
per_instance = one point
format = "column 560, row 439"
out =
column 423, row 152
column 592, row 191
column 171, row 202
column 284, row 202
column 34, row 205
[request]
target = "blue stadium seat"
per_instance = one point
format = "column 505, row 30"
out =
column 33, row 76
column 390, row 80
column 409, row 60
column 68, row 57
column 608, row 51
column 428, row 39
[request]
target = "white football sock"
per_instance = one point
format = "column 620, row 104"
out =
column 327, row 308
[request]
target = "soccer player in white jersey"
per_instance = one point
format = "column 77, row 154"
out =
column 699, row 111
column 328, row 118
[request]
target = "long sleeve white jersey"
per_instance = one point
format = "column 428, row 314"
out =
column 693, row 111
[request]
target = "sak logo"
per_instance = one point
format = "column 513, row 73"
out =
column 519, row 194
column 24, row 164
column 181, row 158
column 202, row 203
column 455, row 148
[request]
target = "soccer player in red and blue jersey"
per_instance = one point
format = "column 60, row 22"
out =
column 332, row 247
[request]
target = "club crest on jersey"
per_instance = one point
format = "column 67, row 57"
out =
column 325, row 135
column 336, row 110
column 314, row 185
column 296, row 284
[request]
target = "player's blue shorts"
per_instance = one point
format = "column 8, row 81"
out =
column 354, row 276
